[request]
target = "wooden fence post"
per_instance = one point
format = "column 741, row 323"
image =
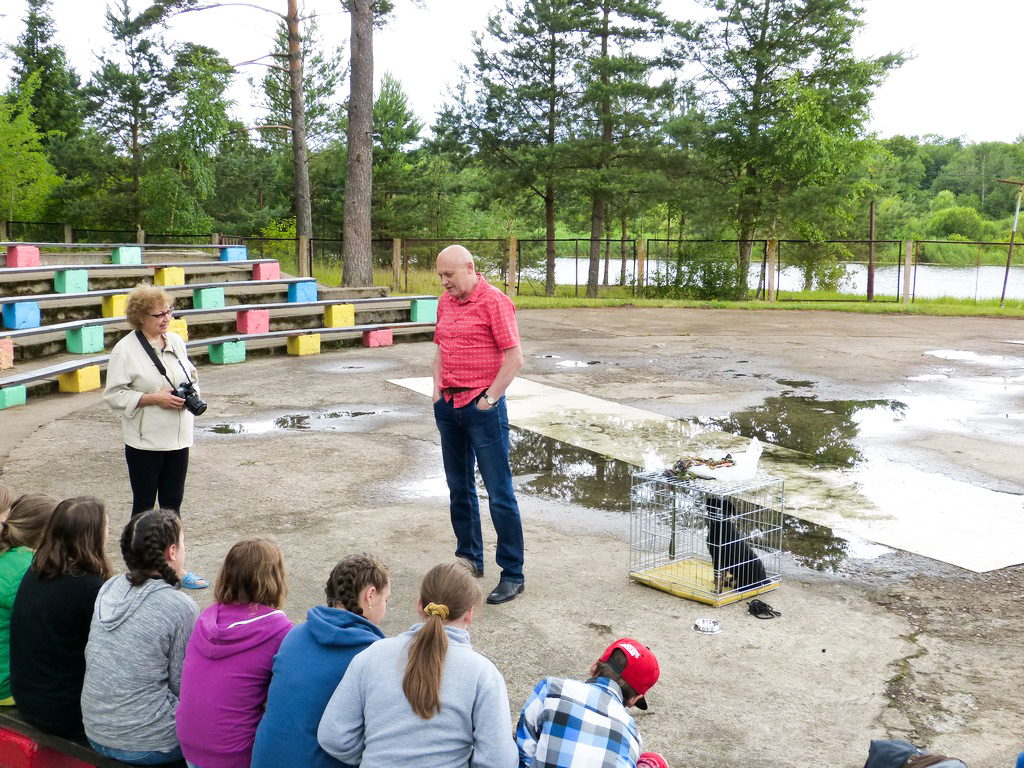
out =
column 513, row 245
column 396, row 262
column 303, row 257
column 215, row 238
column 69, row 233
column 769, row 282
column 908, row 269
column 140, row 235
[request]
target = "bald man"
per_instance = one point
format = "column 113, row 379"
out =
column 476, row 359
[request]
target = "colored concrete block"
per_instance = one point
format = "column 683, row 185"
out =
column 306, row 344
column 305, row 291
column 339, row 316
column 10, row 396
column 252, row 321
column 234, row 253
column 379, row 338
column 82, row 380
column 169, row 276
column 113, row 306
column 24, row 314
column 423, row 311
column 85, row 340
column 71, row 281
column 22, row 256
column 6, row 354
column 126, row 254
column 179, row 326
column 227, row 353
column 19, row 751
column 268, row 270
column 208, row 298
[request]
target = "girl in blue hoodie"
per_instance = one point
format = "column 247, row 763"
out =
column 227, row 662
column 313, row 659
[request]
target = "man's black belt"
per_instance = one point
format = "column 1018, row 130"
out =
column 456, row 390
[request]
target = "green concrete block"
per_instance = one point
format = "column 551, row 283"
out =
column 84, row 341
column 208, row 298
column 126, row 254
column 423, row 311
column 227, row 353
column 71, row 281
column 10, row 396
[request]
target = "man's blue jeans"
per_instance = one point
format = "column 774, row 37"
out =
column 471, row 437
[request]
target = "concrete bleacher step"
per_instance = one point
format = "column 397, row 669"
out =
column 62, row 320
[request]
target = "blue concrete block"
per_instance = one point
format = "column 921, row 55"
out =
column 24, row 314
column 234, row 253
column 302, row 291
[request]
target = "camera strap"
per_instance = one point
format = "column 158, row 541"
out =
column 156, row 360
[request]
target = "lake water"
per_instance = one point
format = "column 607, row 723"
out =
column 928, row 281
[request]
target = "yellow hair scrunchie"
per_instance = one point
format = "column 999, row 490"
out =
column 433, row 609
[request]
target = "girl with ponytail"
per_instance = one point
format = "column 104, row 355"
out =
column 133, row 660
column 429, row 682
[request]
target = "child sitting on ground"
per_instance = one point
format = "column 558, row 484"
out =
column 313, row 659
column 424, row 699
column 136, row 647
column 19, row 536
column 568, row 723
column 229, row 657
column 51, row 616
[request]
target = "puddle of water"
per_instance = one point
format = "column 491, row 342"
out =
column 576, row 363
column 824, row 431
column 974, row 357
column 796, row 383
column 548, row 467
column 333, row 420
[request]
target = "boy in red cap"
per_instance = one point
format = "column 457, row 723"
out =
column 573, row 724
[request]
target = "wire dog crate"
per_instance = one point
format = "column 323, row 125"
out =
column 711, row 541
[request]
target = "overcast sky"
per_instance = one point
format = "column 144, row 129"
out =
column 965, row 79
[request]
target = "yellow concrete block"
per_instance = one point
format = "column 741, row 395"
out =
column 339, row 316
column 180, row 326
column 307, row 344
column 169, row 276
column 113, row 306
column 82, row 380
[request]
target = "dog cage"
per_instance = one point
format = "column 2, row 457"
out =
column 712, row 541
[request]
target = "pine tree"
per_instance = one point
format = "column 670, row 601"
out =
column 785, row 102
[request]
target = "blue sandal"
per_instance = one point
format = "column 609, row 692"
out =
column 191, row 581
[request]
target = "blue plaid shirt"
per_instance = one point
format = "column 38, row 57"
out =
column 571, row 724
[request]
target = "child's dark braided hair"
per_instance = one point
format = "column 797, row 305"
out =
column 350, row 577
column 143, row 543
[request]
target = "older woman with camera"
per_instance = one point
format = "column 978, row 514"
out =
column 151, row 383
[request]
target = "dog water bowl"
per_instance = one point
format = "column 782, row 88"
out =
column 707, row 626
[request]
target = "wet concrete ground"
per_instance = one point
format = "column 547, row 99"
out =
column 873, row 642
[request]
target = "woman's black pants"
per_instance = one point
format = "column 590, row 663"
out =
column 156, row 475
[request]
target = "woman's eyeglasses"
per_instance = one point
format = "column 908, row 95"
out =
column 166, row 313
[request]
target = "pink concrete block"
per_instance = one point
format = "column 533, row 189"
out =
column 378, row 338
column 6, row 353
column 22, row 256
column 252, row 321
column 269, row 270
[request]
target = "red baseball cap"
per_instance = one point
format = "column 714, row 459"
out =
column 641, row 671
column 651, row 760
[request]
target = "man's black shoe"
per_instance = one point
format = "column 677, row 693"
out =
column 505, row 591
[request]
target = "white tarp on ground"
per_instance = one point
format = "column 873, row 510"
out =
column 887, row 503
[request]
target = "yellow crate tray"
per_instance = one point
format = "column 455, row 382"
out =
column 695, row 580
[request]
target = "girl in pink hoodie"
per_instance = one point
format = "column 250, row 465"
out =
column 229, row 657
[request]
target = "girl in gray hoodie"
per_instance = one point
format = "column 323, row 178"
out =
column 133, row 660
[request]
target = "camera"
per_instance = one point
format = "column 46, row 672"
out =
column 193, row 403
